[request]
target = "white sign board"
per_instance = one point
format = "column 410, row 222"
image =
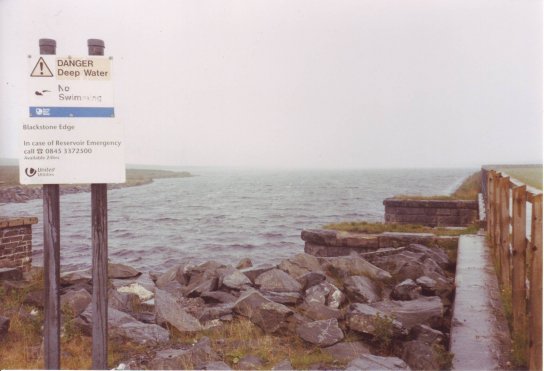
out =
column 71, row 134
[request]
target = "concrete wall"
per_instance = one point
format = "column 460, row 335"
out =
column 16, row 242
column 451, row 213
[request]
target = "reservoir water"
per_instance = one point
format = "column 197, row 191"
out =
column 228, row 214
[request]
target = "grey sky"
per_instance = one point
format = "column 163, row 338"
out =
column 377, row 83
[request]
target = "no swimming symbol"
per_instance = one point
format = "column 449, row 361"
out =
column 41, row 69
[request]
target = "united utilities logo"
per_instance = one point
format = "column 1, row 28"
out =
column 42, row 111
column 30, row 172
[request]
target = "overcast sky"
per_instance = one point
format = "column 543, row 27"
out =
column 376, row 83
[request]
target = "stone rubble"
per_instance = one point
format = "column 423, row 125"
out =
column 322, row 300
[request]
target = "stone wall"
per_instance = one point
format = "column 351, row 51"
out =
column 16, row 242
column 449, row 213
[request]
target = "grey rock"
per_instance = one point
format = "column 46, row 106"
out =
column 354, row 265
column 427, row 284
column 174, row 274
column 254, row 272
column 125, row 302
column 325, row 293
column 427, row 335
column 35, row 298
column 347, row 351
column 424, row 310
column 200, row 284
column 406, row 290
column 290, row 298
column 311, row 279
column 363, row 318
column 244, row 263
column 438, row 255
column 236, row 280
column 76, row 277
column 171, row 311
column 300, row 264
column 4, row 326
column 266, row 314
column 11, row 274
column 318, row 311
column 176, row 359
column 121, row 271
column 125, row 326
column 250, row 362
column 362, row 289
column 215, row 312
column 372, row 362
column 75, row 301
column 218, row 297
column 322, row 333
column 278, row 281
column 421, row 356
column 214, row 365
column 283, row 365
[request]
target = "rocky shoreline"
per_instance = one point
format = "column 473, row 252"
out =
column 390, row 309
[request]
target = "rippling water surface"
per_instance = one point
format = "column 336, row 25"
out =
column 228, row 214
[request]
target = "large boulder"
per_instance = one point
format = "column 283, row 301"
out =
column 374, row 363
column 253, row 272
column 424, row 310
column 438, row 255
column 347, row 351
column 138, row 290
column 369, row 320
column 170, row 310
column 421, row 356
column 265, row 313
column 318, row 311
column 174, row 274
column 290, row 298
column 121, row 271
column 325, row 293
column 234, row 279
column 300, row 264
column 362, row 289
column 354, row 265
column 218, row 297
column 322, row 333
column 185, row 358
column 406, row 290
column 311, row 279
column 127, row 327
column 75, row 301
column 76, row 277
column 276, row 280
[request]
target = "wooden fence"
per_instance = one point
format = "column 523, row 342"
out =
column 517, row 251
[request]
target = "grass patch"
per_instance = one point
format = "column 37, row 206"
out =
column 469, row 189
column 376, row 228
column 530, row 174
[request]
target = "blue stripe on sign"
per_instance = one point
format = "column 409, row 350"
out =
column 71, row 112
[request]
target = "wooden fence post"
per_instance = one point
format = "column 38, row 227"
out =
column 535, row 298
column 99, row 218
column 488, row 200
column 519, row 245
column 504, row 227
column 496, row 222
column 51, row 258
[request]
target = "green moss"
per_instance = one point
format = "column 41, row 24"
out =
column 376, row 228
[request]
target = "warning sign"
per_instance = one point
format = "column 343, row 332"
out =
column 41, row 69
column 71, row 135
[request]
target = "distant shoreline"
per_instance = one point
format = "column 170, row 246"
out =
column 13, row 192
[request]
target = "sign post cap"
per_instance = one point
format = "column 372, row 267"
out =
column 48, row 42
column 96, row 43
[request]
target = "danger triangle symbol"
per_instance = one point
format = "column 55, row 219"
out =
column 41, row 69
